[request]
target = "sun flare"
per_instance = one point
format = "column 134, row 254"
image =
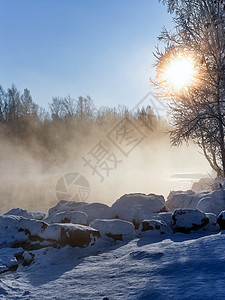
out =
column 180, row 72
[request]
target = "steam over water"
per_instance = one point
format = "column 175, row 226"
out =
column 30, row 183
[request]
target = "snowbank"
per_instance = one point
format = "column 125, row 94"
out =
column 137, row 207
column 115, row 229
column 75, row 217
column 96, row 211
column 186, row 220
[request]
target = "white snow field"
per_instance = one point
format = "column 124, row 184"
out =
column 182, row 267
column 134, row 250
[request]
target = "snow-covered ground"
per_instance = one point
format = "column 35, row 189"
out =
column 181, row 267
column 136, row 249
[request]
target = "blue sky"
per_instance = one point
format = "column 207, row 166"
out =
column 101, row 48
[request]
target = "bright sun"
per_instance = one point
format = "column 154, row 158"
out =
column 180, row 72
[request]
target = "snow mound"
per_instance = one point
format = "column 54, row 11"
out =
column 212, row 202
column 25, row 213
column 185, row 220
column 75, row 217
column 96, row 211
column 221, row 220
column 153, row 228
column 137, row 207
column 115, row 229
column 65, row 205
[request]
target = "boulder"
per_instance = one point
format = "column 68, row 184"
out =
column 114, row 229
column 71, row 234
column 9, row 235
column 221, row 220
column 137, row 207
column 183, row 199
column 8, row 261
column 65, row 205
column 96, row 211
column 153, row 228
column 25, row 213
column 75, row 217
column 212, row 202
column 165, row 217
column 41, row 234
column 212, row 226
column 186, row 220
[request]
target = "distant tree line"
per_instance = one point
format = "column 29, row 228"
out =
column 50, row 132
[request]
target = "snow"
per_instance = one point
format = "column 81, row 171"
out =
column 25, row 213
column 185, row 220
column 109, row 258
column 75, row 217
column 137, row 207
column 184, row 267
column 115, row 229
column 96, row 211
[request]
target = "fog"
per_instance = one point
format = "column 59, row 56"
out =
column 30, row 174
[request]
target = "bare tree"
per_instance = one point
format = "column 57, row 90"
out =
column 198, row 110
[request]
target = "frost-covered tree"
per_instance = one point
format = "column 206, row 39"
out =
column 198, row 108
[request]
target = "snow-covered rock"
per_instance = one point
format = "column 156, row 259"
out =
column 115, row 229
column 41, row 234
column 165, row 217
column 75, row 217
column 153, row 228
column 8, row 259
column 204, row 184
column 65, row 205
column 212, row 226
column 185, row 220
column 183, row 199
column 212, row 202
column 70, row 234
column 9, row 234
column 137, row 207
column 25, row 213
column 221, row 220
column 96, row 211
